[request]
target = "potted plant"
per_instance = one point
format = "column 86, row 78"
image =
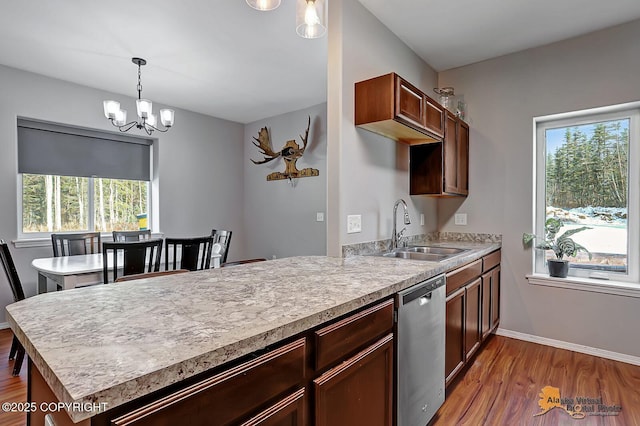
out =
column 562, row 246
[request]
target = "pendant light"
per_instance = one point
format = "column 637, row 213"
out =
column 311, row 20
column 264, row 4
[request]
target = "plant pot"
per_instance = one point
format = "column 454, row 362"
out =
column 558, row 268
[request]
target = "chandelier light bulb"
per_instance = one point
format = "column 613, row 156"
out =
column 152, row 120
column 120, row 117
column 166, row 117
column 144, row 107
column 110, row 109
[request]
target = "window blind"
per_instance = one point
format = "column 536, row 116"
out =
column 53, row 149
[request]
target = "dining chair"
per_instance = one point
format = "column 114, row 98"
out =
column 17, row 350
column 223, row 238
column 195, row 253
column 126, row 236
column 242, row 262
column 149, row 275
column 137, row 257
column 74, row 244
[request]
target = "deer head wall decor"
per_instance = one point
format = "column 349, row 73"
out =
column 290, row 153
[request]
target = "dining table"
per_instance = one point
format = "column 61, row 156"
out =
column 76, row 271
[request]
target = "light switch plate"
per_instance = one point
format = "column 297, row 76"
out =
column 354, row 223
column 460, row 219
column 320, row 217
column 421, row 219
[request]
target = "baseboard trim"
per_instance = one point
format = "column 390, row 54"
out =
column 615, row 356
column 4, row 325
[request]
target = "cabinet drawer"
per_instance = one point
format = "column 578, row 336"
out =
column 462, row 276
column 338, row 340
column 491, row 260
column 229, row 396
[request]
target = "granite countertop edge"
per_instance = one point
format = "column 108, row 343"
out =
column 130, row 388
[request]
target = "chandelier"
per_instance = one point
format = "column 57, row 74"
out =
column 147, row 120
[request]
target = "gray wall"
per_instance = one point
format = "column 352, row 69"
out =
column 367, row 172
column 280, row 219
column 503, row 96
column 198, row 164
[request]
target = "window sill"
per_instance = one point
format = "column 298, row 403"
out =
column 619, row 288
column 46, row 242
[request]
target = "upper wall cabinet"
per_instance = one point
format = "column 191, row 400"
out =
column 392, row 107
column 442, row 169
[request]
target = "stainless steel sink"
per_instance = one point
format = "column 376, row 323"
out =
column 434, row 250
column 417, row 256
column 426, row 253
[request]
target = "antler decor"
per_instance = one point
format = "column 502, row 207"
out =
column 291, row 152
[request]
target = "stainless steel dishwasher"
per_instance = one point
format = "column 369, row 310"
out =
column 420, row 357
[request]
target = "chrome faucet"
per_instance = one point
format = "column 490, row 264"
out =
column 395, row 236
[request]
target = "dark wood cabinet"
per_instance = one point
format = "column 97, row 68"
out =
column 359, row 391
column 472, row 320
column 341, row 372
column 391, row 106
column 288, row 412
column 455, row 338
column 442, row 169
column 228, row 397
column 473, row 310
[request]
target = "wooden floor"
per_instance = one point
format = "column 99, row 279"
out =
column 12, row 389
column 501, row 387
column 503, row 384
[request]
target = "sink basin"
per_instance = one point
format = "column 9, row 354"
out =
column 426, row 253
column 432, row 257
column 433, row 250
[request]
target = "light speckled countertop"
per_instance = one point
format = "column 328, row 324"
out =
column 114, row 343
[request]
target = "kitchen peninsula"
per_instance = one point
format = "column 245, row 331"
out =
column 128, row 344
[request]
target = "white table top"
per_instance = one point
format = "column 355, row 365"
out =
column 75, row 265
column 70, row 265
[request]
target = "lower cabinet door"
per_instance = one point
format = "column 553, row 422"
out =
column 359, row 391
column 495, row 298
column 288, row 412
column 486, row 305
column 454, row 335
column 473, row 307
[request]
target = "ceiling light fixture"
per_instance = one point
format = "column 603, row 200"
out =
column 311, row 18
column 148, row 120
column 264, row 4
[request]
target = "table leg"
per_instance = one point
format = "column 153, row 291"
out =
column 42, row 283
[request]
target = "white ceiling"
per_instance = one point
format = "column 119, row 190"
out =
column 224, row 59
column 217, row 57
column 452, row 33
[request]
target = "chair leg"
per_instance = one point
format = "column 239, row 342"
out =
column 18, row 362
column 14, row 347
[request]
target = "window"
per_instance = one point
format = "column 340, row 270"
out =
column 80, row 180
column 587, row 175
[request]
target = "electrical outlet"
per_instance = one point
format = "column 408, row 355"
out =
column 320, row 217
column 460, row 219
column 421, row 219
column 354, row 223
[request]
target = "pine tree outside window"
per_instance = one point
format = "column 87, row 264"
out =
column 587, row 175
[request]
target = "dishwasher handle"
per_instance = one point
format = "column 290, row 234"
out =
column 421, row 291
column 425, row 299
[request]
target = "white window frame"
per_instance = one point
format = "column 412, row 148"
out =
column 540, row 125
column 22, row 236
